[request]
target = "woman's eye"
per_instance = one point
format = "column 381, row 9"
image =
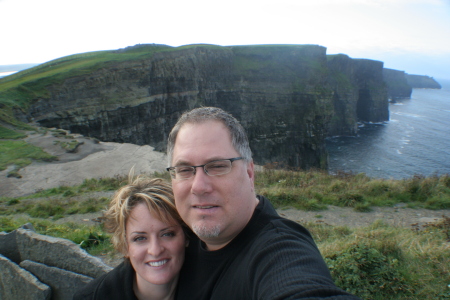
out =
column 138, row 239
column 169, row 234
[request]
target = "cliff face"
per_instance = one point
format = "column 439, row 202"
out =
column 397, row 84
column 359, row 93
column 421, row 81
column 287, row 98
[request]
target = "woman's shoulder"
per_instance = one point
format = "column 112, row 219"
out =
column 116, row 284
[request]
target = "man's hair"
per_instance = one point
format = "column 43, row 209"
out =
column 155, row 193
column 199, row 115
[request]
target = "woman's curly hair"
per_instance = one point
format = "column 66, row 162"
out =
column 156, row 193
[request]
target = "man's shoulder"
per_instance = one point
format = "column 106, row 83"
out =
column 270, row 222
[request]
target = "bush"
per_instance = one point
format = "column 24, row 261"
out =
column 91, row 240
column 366, row 272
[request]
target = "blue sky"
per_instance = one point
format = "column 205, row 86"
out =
column 408, row 35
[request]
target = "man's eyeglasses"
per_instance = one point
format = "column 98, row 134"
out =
column 213, row 168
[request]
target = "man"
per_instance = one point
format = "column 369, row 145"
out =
column 244, row 250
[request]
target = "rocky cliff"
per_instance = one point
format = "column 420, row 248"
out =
column 359, row 93
column 421, row 81
column 289, row 98
column 397, row 85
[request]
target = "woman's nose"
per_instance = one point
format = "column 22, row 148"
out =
column 155, row 248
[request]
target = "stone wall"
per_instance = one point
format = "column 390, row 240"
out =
column 35, row 266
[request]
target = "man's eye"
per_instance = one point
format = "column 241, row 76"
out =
column 217, row 165
column 184, row 169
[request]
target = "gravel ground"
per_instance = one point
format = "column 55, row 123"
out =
column 340, row 216
column 335, row 216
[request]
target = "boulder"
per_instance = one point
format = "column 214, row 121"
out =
column 59, row 253
column 63, row 283
column 18, row 283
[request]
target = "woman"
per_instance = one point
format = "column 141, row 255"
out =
column 149, row 232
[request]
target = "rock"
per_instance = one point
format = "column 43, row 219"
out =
column 17, row 283
column 359, row 93
column 397, row 84
column 429, row 221
column 8, row 246
column 59, row 253
column 63, row 283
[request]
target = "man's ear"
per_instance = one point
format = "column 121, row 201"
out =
column 251, row 173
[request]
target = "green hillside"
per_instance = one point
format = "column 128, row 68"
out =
column 20, row 89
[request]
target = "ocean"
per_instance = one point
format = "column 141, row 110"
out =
column 415, row 141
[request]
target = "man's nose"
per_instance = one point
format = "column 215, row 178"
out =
column 200, row 182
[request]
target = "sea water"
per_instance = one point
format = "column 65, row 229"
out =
column 415, row 141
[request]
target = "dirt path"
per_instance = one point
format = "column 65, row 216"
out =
column 335, row 216
column 344, row 216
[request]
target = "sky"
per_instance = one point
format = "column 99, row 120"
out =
column 408, row 35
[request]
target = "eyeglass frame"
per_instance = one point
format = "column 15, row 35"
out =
column 194, row 168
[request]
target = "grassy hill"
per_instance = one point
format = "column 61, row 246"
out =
column 20, row 89
column 379, row 261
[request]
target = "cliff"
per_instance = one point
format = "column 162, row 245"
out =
column 359, row 93
column 289, row 98
column 397, row 84
column 423, row 82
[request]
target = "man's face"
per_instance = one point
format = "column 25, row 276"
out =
column 216, row 208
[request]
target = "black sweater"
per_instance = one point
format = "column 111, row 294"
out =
column 272, row 258
column 115, row 285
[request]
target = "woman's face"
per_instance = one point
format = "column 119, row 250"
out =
column 156, row 249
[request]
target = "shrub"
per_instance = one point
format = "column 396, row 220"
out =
column 350, row 199
column 91, row 240
column 13, row 201
column 366, row 272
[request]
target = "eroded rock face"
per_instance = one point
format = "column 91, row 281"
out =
column 397, row 84
column 287, row 97
column 360, row 93
column 18, row 283
column 35, row 266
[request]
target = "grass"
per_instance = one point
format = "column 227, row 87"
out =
column 20, row 154
column 419, row 260
column 375, row 262
column 6, row 133
column 316, row 189
column 90, row 237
